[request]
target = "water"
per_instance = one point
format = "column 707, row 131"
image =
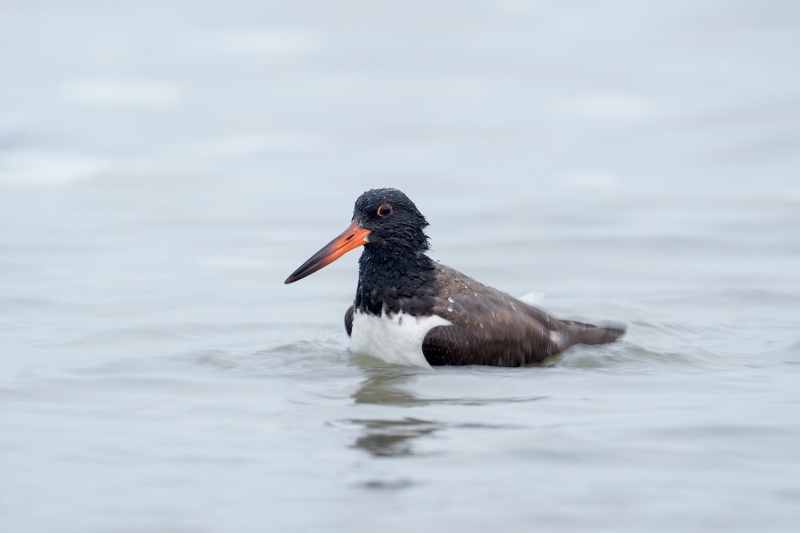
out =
column 163, row 168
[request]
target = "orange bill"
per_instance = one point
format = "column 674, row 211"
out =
column 353, row 237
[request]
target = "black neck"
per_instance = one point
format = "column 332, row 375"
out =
column 394, row 280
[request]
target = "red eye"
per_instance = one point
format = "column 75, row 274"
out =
column 385, row 210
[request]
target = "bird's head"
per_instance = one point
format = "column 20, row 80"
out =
column 382, row 219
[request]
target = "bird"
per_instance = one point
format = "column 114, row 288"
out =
column 410, row 310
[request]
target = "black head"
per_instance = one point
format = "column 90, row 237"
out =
column 392, row 220
column 385, row 221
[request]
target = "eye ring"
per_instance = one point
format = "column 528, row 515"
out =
column 385, row 210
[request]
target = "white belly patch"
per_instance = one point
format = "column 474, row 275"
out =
column 394, row 339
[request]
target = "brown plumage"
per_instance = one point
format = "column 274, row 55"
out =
column 493, row 328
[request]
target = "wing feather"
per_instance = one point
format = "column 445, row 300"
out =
column 491, row 327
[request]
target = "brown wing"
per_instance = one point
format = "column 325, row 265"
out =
column 491, row 327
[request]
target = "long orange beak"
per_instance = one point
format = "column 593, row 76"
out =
column 353, row 237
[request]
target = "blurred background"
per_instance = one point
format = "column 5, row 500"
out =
column 165, row 165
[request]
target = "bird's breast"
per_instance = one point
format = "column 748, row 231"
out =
column 393, row 338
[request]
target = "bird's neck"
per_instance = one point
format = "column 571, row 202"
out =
column 392, row 281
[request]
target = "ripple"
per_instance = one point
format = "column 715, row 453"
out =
column 384, row 388
column 629, row 357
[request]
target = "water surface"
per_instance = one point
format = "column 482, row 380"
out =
column 163, row 168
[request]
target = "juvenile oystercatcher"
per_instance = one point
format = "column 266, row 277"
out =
column 410, row 310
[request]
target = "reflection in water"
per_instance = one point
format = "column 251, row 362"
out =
column 387, row 484
column 395, row 438
column 383, row 387
column 392, row 438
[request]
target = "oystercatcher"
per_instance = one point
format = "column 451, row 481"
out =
column 411, row 310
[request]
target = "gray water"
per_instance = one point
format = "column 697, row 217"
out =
column 165, row 166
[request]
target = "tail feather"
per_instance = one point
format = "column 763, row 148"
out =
column 579, row 333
